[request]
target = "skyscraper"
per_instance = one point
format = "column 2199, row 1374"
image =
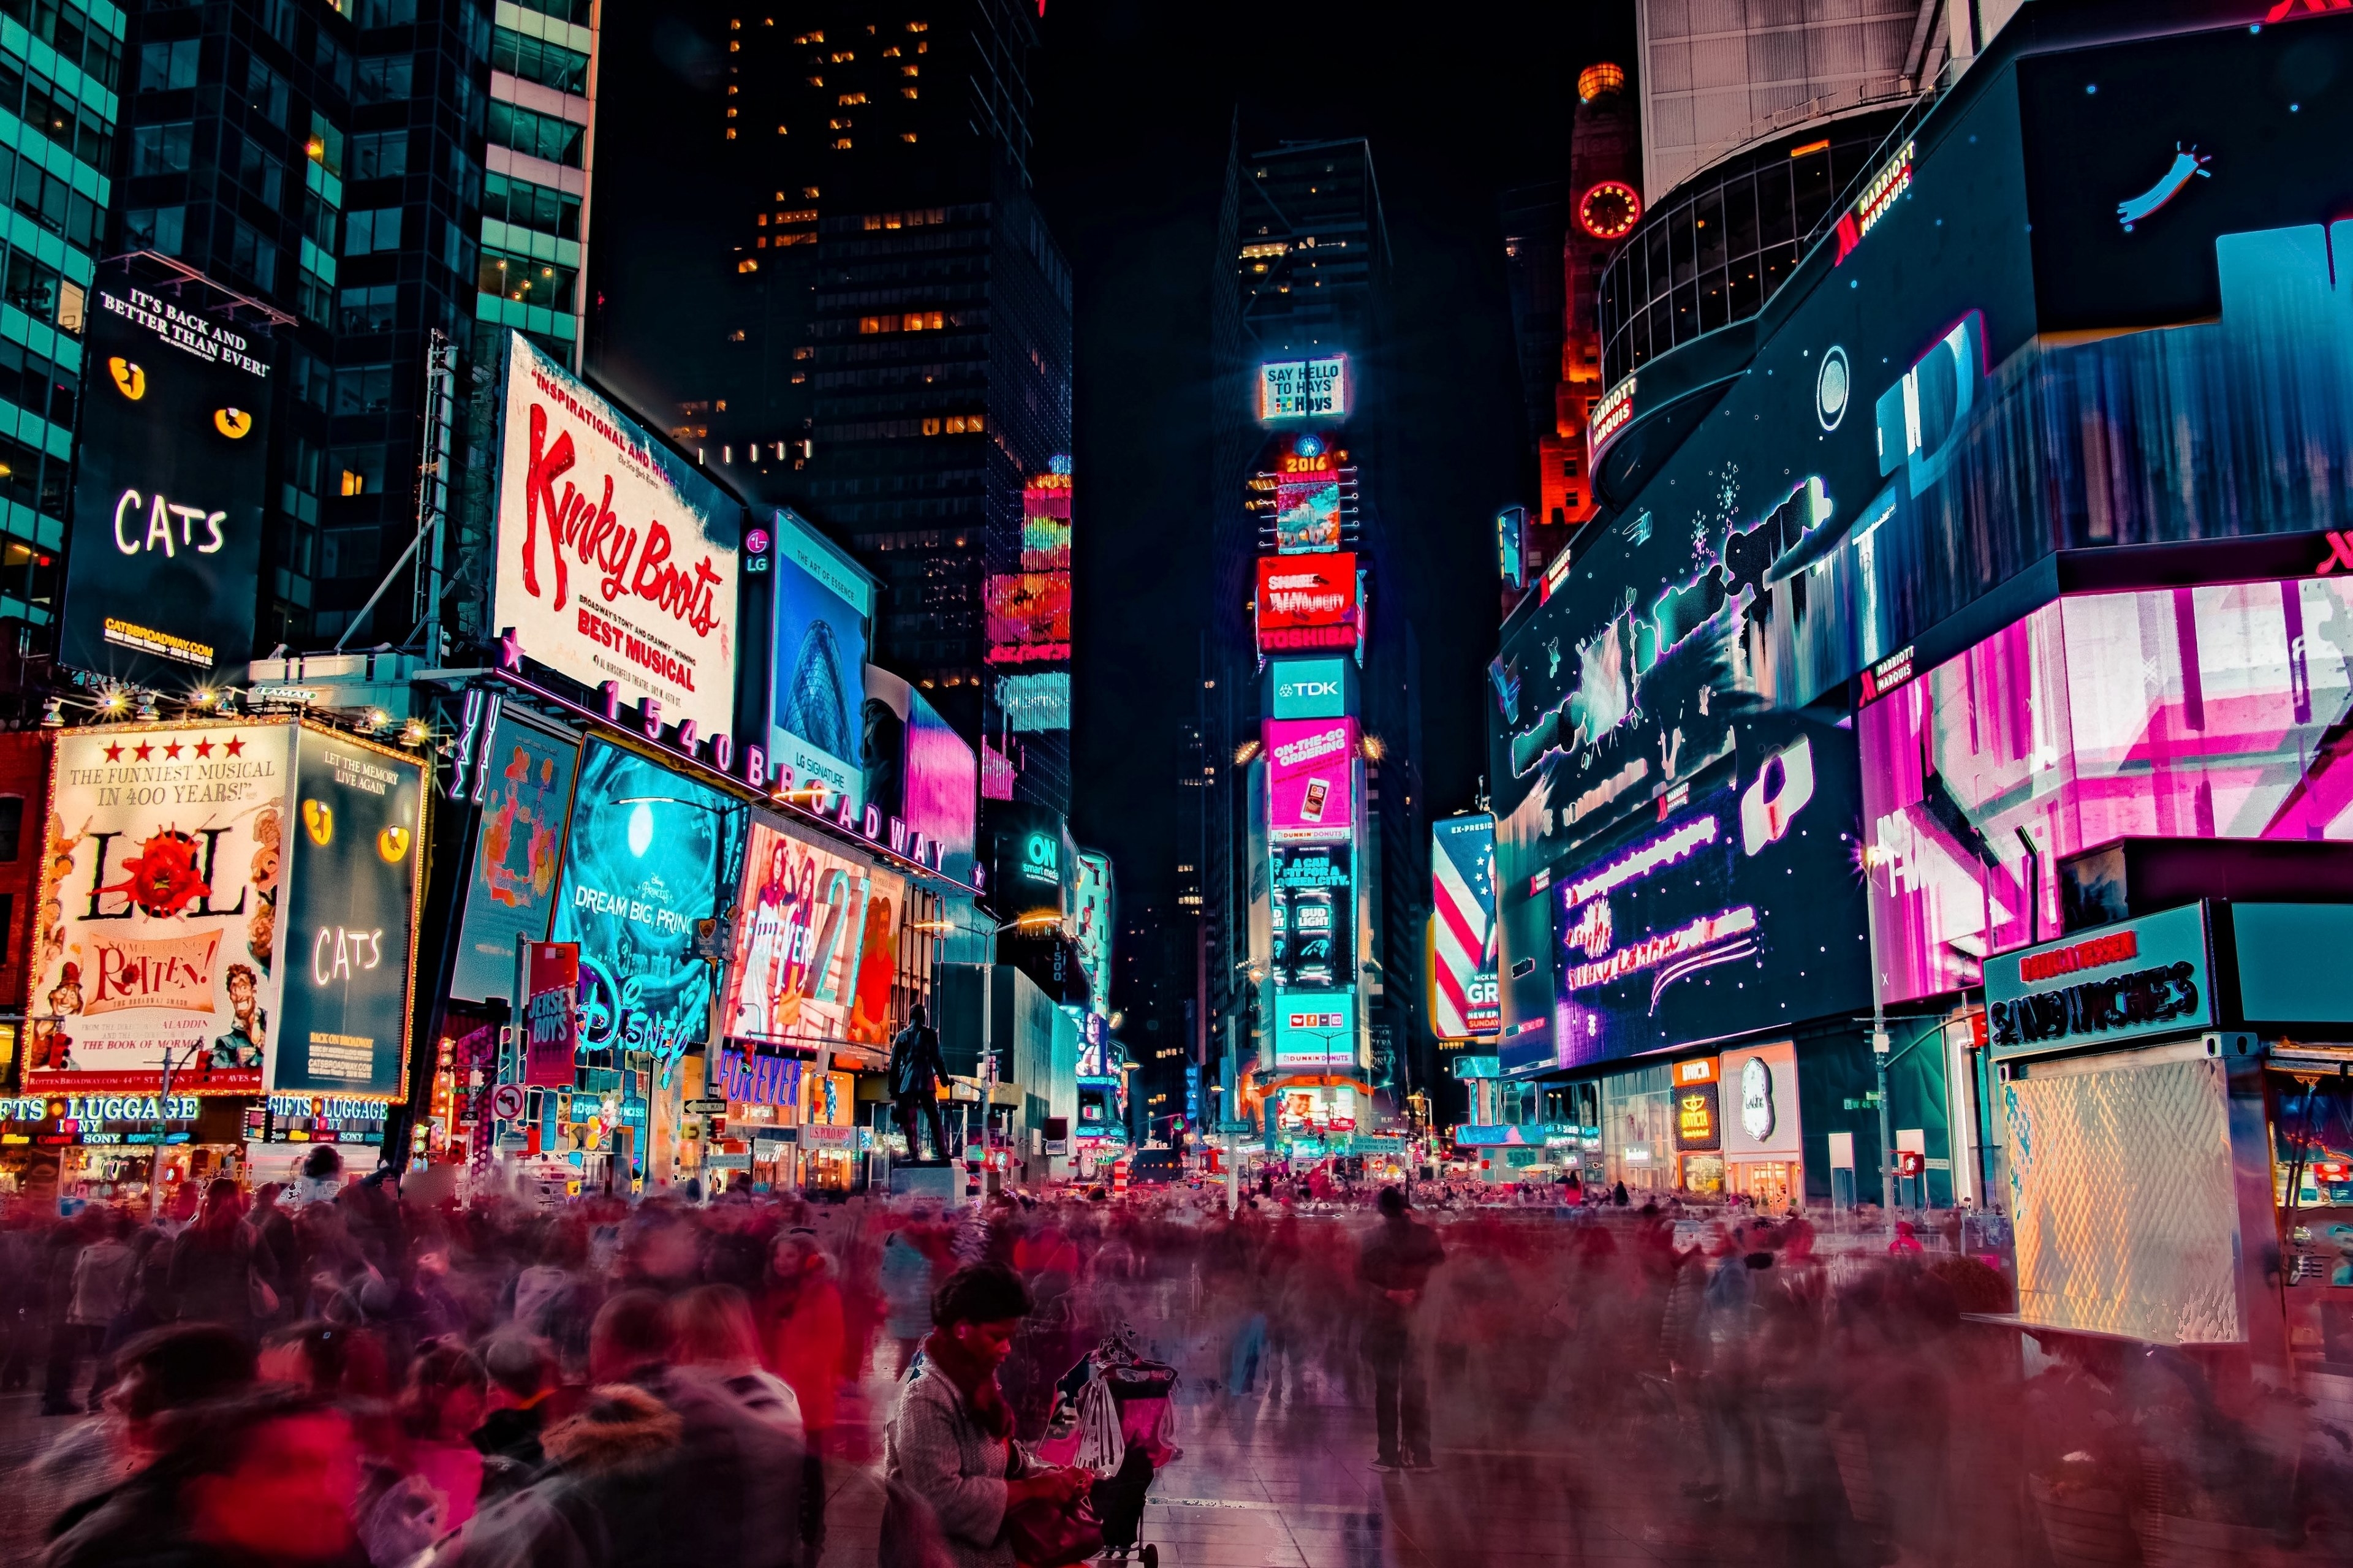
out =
column 875, row 330
column 59, row 78
column 1317, row 903
column 377, row 173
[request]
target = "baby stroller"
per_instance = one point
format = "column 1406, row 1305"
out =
column 1111, row 1414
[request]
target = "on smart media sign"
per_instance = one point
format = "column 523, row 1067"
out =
column 1307, row 602
column 167, row 511
column 616, row 561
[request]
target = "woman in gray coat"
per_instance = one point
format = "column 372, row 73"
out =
column 949, row 1443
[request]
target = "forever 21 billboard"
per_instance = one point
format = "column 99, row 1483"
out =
column 166, row 546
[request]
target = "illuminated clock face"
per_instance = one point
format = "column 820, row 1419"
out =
column 1610, row 209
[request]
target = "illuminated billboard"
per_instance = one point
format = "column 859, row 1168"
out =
column 1303, row 389
column 1312, row 916
column 920, row 776
column 617, row 560
column 649, row 851
column 353, row 881
column 1307, row 515
column 816, row 949
column 159, row 932
column 167, row 511
column 239, row 896
column 1689, row 927
column 2192, row 712
column 1311, row 779
column 1029, row 611
column 1307, row 602
column 1311, row 688
column 822, row 603
column 1315, row 1028
column 1462, row 875
column 1029, row 617
column 1035, row 876
column 1093, row 917
column 526, row 797
column 1032, row 704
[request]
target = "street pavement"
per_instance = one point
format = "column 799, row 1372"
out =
column 1265, row 1480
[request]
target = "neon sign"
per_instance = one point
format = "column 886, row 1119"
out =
column 2186, row 162
column 1641, row 862
column 1611, row 414
column 1894, row 178
column 1683, row 943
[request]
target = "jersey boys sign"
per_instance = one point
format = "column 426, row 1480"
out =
column 616, row 561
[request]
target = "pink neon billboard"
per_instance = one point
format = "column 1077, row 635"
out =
column 1311, row 778
column 2205, row 712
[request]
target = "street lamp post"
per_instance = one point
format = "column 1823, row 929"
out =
column 1873, row 856
column 162, row 1128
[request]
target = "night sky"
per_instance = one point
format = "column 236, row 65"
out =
column 1134, row 102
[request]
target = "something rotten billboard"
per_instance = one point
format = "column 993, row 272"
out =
column 526, row 794
column 649, row 851
column 167, row 510
column 616, row 561
column 158, row 932
column 354, row 849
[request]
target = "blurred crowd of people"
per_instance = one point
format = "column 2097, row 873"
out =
column 369, row 1378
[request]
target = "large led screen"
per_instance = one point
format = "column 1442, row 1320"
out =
column 510, row 894
column 921, row 775
column 1307, row 515
column 1462, row 898
column 1315, row 1028
column 1303, row 389
column 617, row 560
column 1029, row 611
column 1738, row 911
column 1311, row 778
column 649, row 853
column 1307, row 602
column 167, row 509
column 817, row 938
column 2197, row 712
column 823, row 601
column 1312, row 916
column 158, row 931
column 355, row 846
column 1093, row 917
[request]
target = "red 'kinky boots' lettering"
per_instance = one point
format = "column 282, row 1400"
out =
column 686, row 595
column 547, row 465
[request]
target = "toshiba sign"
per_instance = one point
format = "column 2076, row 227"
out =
column 1307, row 601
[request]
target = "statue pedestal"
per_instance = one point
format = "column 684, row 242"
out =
column 933, row 1184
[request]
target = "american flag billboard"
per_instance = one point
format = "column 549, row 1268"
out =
column 1464, row 1004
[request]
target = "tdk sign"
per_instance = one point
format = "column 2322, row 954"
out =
column 1311, row 688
